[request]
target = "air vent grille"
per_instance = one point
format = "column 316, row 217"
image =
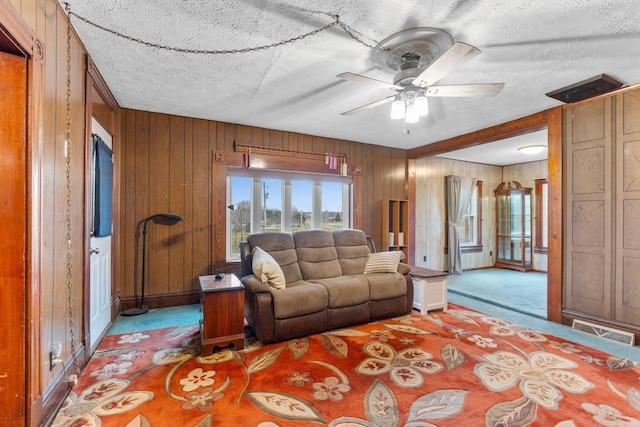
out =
column 604, row 332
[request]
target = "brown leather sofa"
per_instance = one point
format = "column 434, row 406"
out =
column 326, row 287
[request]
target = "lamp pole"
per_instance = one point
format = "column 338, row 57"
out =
column 167, row 216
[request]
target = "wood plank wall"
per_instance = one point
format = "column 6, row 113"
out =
column 48, row 22
column 166, row 166
column 430, row 211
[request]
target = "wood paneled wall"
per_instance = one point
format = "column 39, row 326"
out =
column 602, row 211
column 166, row 166
column 430, row 211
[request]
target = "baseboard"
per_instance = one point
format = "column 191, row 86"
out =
column 162, row 300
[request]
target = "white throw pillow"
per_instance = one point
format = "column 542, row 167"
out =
column 383, row 262
column 267, row 269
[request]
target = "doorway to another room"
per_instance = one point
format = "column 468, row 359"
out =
column 100, row 239
column 495, row 164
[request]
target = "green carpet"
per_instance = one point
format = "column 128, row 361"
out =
column 157, row 318
column 522, row 292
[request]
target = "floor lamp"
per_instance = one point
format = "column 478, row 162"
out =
column 172, row 217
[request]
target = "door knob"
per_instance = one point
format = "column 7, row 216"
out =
column 94, row 251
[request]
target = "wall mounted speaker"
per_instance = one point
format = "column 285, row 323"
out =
column 586, row 89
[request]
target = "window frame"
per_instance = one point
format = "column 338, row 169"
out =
column 541, row 217
column 286, row 177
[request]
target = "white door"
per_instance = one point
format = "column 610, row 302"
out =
column 100, row 266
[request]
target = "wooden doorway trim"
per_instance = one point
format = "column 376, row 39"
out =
column 101, row 105
column 17, row 38
column 552, row 121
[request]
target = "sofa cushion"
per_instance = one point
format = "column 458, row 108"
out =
column 299, row 298
column 351, row 247
column 282, row 248
column 346, row 291
column 317, row 256
column 386, row 285
column 267, row 269
column 383, row 262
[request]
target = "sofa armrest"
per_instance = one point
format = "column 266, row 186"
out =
column 258, row 308
column 403, row 268
column 245, row 258
column 255, row 285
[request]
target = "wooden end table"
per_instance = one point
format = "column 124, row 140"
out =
column 222, row 320
column 429, row 289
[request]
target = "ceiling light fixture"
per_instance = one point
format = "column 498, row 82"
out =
column 410, row 106
column 532, row 149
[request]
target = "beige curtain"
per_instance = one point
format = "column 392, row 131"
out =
column 459, row 193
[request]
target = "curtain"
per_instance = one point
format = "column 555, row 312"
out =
column 103, row 187
column 459, row 191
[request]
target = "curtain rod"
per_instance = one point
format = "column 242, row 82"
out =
column 282, row 151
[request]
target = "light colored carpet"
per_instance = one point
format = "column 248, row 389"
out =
column 522, row 292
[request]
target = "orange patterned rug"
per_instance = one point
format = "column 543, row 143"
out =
column 459, row 368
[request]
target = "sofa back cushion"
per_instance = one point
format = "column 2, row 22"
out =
column 351, row 247
column 282, row 248
column 317, row 254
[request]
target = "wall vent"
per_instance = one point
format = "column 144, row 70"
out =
column 586, row 89
column 604, row 332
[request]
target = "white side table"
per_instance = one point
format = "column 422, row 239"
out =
column 429, row 289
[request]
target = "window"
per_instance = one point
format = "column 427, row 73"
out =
column 470, row 234
column 541, row 218
column 263, row 200
column 301, row 205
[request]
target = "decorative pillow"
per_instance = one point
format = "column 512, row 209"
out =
column 383, row 262
column 267, row 269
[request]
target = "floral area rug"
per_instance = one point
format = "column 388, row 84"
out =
column 454, row 368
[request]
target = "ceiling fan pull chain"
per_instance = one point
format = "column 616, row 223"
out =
column 68, row 214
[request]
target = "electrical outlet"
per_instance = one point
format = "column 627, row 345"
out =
column 54, row 355
column 424, row 258
column 490, row 253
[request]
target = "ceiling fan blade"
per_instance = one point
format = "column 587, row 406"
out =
column 457, row 55
column 368, row 106
column 479, row 89
column 369, row 81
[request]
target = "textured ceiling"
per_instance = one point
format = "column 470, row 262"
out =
column 534, row 46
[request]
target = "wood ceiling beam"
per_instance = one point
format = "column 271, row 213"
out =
column 524, row 125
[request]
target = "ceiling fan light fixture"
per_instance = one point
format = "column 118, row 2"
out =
column 532, row 149
column 421, row 104
column 412, row 115
column 397, row 109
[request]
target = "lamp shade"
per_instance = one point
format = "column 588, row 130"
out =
column 397, row 110
column 412, row 114
column 421, row 104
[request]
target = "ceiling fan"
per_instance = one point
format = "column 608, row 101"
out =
column 419, row 57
